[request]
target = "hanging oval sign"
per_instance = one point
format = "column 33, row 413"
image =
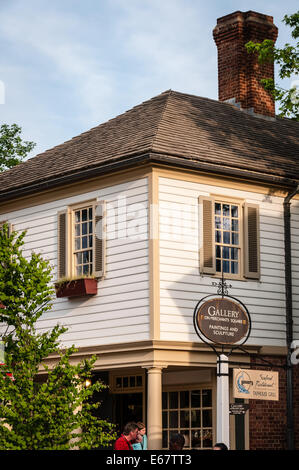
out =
column 222, row 320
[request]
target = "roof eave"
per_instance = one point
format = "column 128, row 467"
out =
column 141, row 159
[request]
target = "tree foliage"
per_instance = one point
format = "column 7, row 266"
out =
column 287, row 58
column 53, row 411
column 12, row 148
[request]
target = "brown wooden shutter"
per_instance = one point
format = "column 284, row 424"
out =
column 251, row 241
column 62, row 251
column 207, row 252
column 100, row 239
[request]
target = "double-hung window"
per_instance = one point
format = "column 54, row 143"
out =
column 81, row 240
column 229, row 238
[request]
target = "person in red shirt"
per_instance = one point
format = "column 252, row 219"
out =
column 129, row 435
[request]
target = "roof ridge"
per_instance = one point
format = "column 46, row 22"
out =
column 169, row 93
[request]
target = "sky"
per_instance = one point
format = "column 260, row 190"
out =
column 69, row 65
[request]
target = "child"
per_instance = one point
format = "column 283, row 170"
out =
column 141, row 440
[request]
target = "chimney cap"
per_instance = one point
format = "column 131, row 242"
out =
column 243, row 16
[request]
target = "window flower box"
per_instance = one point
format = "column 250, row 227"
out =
column 76, row 287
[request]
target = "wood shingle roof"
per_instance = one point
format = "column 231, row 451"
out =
column 172, row 124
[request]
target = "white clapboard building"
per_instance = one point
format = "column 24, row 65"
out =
column 158, row 204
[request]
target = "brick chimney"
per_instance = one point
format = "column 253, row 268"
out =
column 239, row 73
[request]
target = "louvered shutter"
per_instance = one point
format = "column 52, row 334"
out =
column 62, row 249
column 207, row 222
column 100, row 239
column 251, row 241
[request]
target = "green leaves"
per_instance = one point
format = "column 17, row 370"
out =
column 12, row 149
column 288, row 60
column 24, row 284
column 42, row 407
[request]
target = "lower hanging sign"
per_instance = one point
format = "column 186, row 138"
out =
column 238, row 408
column 256, row 384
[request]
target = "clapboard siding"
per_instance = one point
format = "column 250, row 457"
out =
column 181, row 284
column 120, row 311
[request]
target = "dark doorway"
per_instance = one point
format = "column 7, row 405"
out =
column 127, row 407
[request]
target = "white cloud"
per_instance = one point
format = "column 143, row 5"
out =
column 70, row 65
column 53, row 39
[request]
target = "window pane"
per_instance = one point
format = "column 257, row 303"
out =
column 184, row 397
column 235, row 239
column 165, row 419
column 226, row 223
column 86, row 255
column 164, row 400
column 79, row 271
column 187, row 439
column 77, row 230
column 207, row 418
column 86, row 270
column 173, row 400
column 226, row 237
column 207, row 438
column 132, row 381
column 195, row 398
column 195, row 418
column 218, row 222
column 139, row 380
column 165, row 440
column 173, row 419
column 125, row 382
column 207, row 398
column 77, row 216
column 217, row 208
column 225, row 252
column 118, row 382
column 184, row 417
column 196, row 439
column 90, row 227
column 234, row 253
column 234, row 268
column 78, row 258
column 77, row 244
column 84, row 242
column 218, row 265
column 84, row 229
column 218, row 236
column 225, row 266
column 84, row 215
column 218, row 251
column 90, row 241
column 90, row 213
column 225, row 210
column 235, row 225
column 234, row 211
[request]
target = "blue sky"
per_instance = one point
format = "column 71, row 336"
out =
column 69, row 65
